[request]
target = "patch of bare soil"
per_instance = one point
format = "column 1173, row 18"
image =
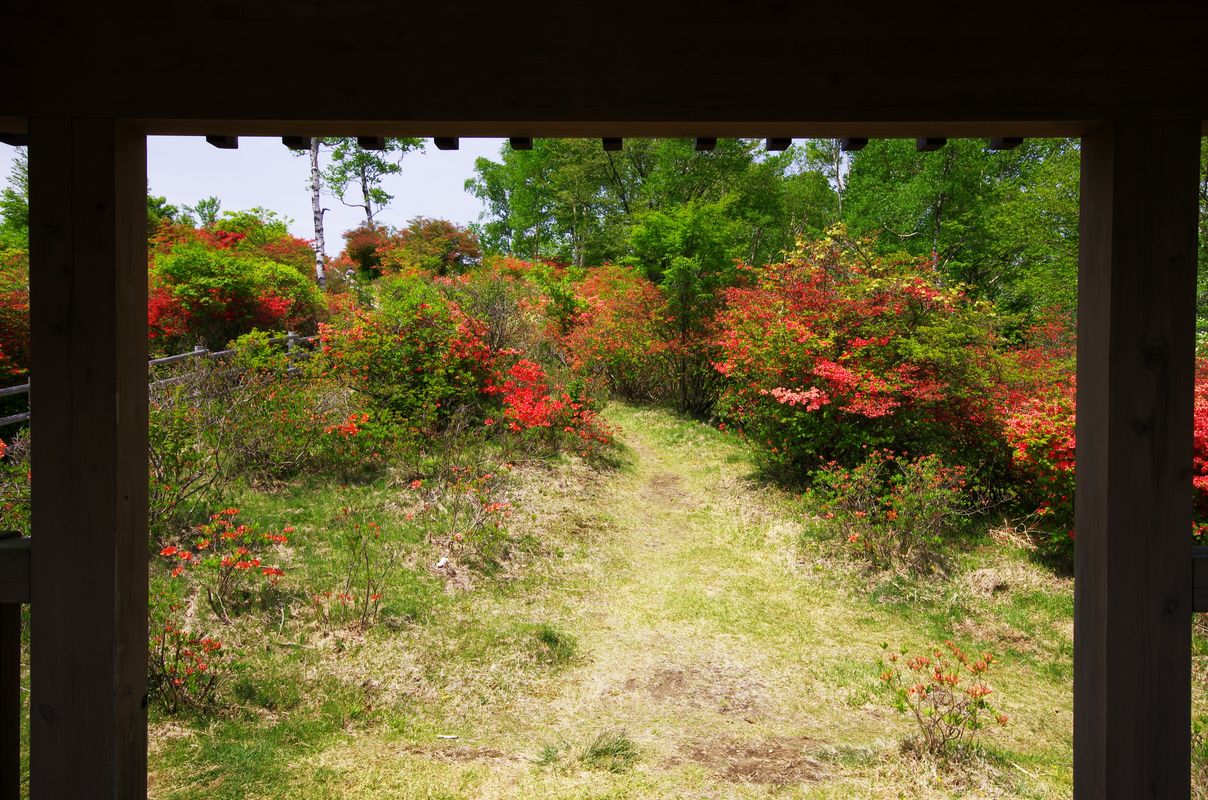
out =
column 664, row 487
column 709, row 686
column 455, row 753
column 781, row 761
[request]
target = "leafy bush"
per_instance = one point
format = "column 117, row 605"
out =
column 417, row 357
column 434, row 246
column 14, row 317
column 894, row 510
column 214, row 294
column 833, row 352
column 367, row 560
column 618, row 339
column 231, row 563
column 15, row 483
column 945, row 693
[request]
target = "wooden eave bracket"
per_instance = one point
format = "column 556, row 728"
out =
column 14, row 568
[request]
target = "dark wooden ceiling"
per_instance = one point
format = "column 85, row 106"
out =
column 470, row 67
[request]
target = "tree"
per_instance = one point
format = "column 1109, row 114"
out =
column 569, row 200
column 353, row 166
column 432, row 245
column 206, row 211
column 14, row 204
column 1002, row 223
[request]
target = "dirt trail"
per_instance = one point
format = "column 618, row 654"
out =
column 682, row 626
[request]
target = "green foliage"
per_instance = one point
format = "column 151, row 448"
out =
column 896, row 511
column 353, row 168
column 1003, row 223
column 224, row 293
column 14, row 204
column 416, row 357
column 568, row 200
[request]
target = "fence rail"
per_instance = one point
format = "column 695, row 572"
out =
column 293, row 350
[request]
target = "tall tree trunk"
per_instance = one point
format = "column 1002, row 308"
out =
column 365, row 194
column 316, row 206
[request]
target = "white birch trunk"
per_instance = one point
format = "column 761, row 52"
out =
column 317, row 207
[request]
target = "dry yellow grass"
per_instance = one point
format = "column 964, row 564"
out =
column 736, row 653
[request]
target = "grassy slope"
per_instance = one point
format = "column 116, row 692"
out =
column 671, row 599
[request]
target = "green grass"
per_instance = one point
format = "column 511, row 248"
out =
column 642, row 621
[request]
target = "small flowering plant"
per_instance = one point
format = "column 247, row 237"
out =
column 184, row 668
column 894, row 509
column 945, row 692
column 232, row 561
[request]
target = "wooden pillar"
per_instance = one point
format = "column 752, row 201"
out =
column 1132, row 585
column 88, row 264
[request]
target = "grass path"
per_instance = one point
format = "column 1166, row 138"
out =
column 683, row 635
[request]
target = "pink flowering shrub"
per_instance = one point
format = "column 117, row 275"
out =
column 830, row 353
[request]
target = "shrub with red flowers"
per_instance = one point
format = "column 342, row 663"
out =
column 213, row 294
column 1040, row 429
column 894, row 510
column 14, row 317
column 416, row 357
column 618, row 339
column 528, row 405
column 15, row 482
column 945, row 693
column 832, row 352
column 232, row 563
column 184, row 668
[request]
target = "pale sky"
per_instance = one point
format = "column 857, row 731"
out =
column 262, row 172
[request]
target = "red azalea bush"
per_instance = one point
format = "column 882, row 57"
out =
column 416, row 357
column 184, row 668
column 199, row 293
column 618, row 338
column 945, row 693
column 529, row 405
column 14, row 316
column 831, row 352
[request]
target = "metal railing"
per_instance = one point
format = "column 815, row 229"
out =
column 295, row 350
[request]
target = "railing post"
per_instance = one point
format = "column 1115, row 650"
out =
column 291, row 346
column 10, row 701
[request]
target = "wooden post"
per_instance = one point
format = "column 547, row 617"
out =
column 1132, row 586
column 88, row 218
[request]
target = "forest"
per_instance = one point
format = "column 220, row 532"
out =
column 742, row 469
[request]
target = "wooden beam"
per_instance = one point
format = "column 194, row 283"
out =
column 446, row 142
column 88, row 245
column 521, row 142
column 612, row 144
column 929, row 144
column 223, row 142
column 1005, row 142
column 14, row 139
column 705, row 144
column 1133, row 576
column 853, row 144
column 375, row 143
column 778, row 143
column 296, row 142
